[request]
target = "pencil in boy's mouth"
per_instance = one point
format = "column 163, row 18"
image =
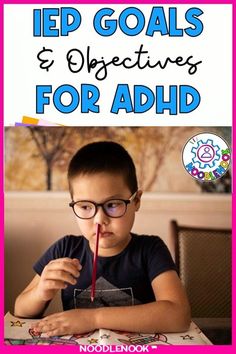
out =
column 98, row 226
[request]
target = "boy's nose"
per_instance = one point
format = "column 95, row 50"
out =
column 101, row 217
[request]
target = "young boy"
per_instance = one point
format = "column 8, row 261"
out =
column 137, row 287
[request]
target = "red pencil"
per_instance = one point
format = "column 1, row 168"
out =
column 95, row 256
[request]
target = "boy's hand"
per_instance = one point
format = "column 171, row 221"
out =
column 56, row 275
column 68, row 322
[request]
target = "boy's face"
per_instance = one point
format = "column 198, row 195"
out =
column 114, row 232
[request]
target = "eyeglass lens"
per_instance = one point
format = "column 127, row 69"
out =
column 113, row 208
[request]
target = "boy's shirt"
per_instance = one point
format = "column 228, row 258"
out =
column 122, row 280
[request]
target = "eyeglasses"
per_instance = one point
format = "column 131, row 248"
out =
column 114, row 208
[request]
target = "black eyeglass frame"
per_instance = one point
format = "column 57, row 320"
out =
column 126, row 201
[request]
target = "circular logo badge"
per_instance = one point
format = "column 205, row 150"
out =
column 206, row 157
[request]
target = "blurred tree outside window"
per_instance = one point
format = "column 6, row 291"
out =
column 36, row 158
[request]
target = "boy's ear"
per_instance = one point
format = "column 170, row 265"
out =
column 138, row 199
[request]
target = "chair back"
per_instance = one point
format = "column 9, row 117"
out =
column 203, row 259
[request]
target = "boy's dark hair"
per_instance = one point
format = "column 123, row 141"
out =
column 103, row 156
